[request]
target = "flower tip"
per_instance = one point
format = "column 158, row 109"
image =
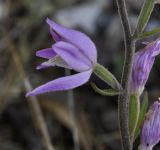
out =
column 28, row 94
column 42, row 66
column 48, row 20
column 52, row 24
column 37, row 53
column 38, row 67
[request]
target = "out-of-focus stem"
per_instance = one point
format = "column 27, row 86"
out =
column 71, row 105
column 32, row 101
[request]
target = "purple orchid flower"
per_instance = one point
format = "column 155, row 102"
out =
column 150, row 134
column 142, row 65
column 72, row 50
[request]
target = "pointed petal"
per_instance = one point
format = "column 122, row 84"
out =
column 64, row 83
column 46, row 53
column 55, row 36
column 79, row 39
column 72, row 56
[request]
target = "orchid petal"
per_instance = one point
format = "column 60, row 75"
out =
column 46, row 53
column 82, row 41
column 72, row 56
column 55, row 36
column 63, row 83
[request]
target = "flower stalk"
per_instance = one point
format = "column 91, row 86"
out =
column 123, row 101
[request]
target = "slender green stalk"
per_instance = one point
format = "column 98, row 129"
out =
column 123, row 102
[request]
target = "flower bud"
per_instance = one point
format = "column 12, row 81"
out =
column 150, row 134
column 142, row 65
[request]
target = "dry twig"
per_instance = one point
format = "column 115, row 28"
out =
column 32, row 101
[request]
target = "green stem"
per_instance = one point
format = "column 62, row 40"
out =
column 123, row 101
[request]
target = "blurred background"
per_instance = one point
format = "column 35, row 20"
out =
column 23, row 31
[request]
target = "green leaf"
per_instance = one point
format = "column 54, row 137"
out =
column 107, row 76
column 144, row 15
column 148, row 33
column 104, row 92
column 134, row 109
column 141, row 118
